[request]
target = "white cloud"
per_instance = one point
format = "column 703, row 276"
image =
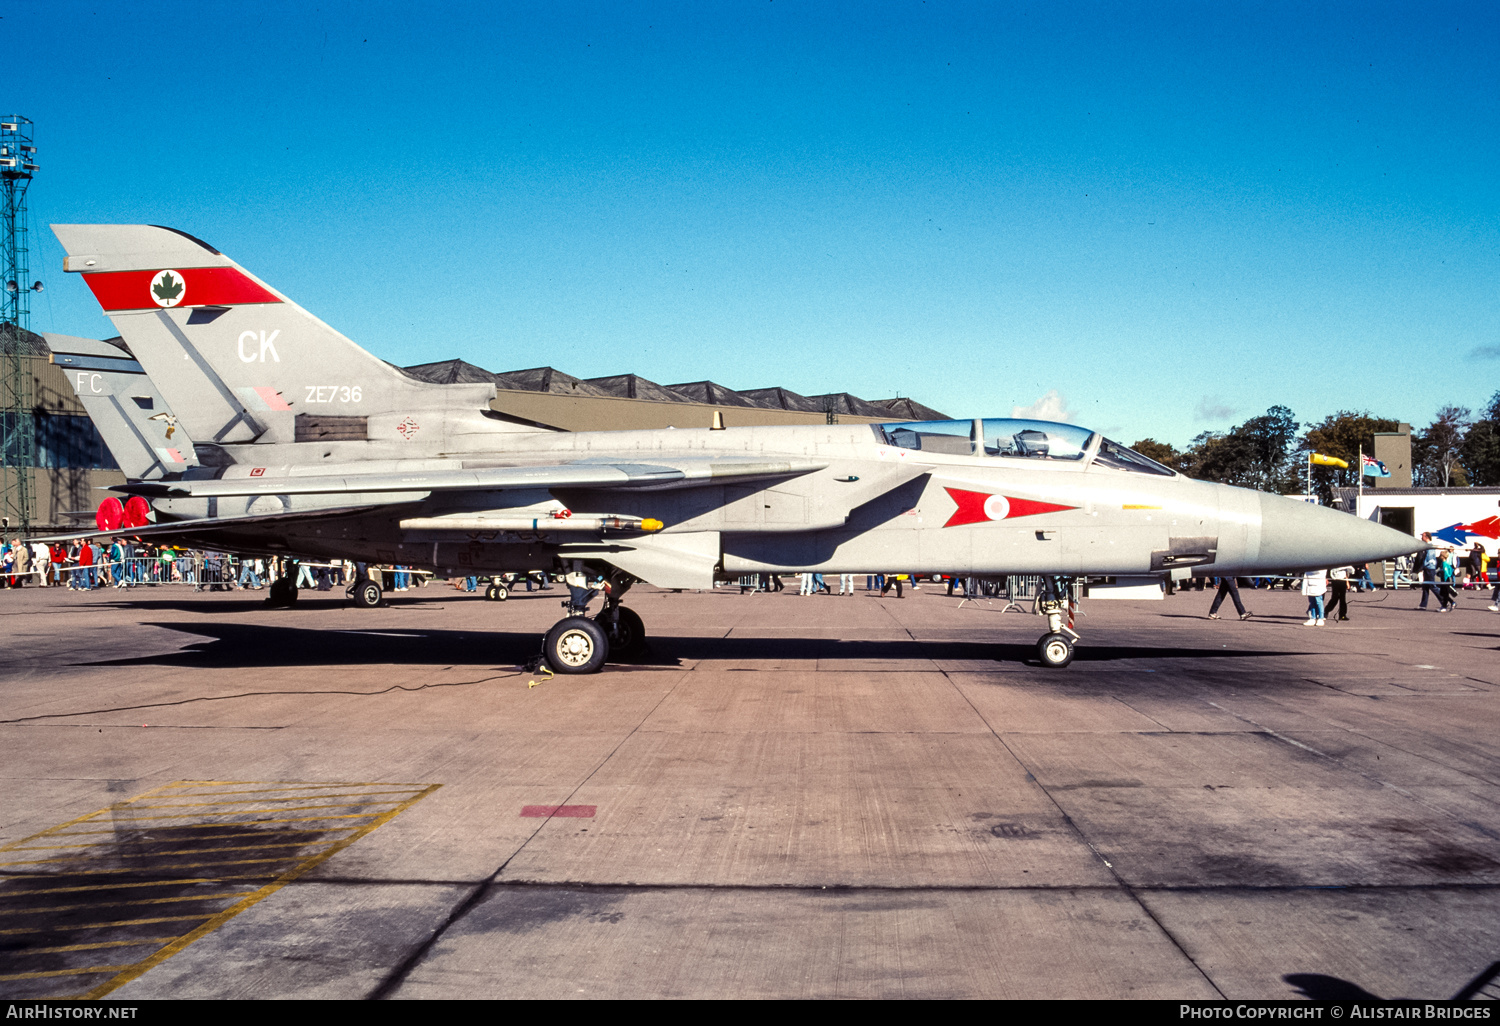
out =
column 1211, row 407
column 1051, row 406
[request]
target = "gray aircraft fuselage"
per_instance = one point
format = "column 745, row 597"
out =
column 873, row 507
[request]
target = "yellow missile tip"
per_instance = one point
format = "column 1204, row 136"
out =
column 651, row 525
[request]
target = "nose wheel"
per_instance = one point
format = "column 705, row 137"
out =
column 1055, row 650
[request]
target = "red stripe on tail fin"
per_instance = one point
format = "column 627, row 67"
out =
column 198, row 286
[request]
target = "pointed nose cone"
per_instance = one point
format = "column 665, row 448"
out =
column 1300, row 536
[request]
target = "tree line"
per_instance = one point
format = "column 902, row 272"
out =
column 1269, row 452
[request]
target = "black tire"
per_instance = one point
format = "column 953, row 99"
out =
column 490, row 592
column 366, row 594
column 576, row 645
column 627, row 636
column 501, row 593
column 282, row 594
column 1055, row 650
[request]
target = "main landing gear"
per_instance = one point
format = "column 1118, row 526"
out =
column 580, row 644
column 498, row 591
column 364, row 593
column 1055, row 602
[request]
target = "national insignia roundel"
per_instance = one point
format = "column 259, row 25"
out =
column 168, row 288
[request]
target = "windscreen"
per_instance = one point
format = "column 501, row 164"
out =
column 1115, row 455
column 954, row 437
column 1035, row 439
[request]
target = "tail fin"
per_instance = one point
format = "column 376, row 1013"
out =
column 238, row 361
column 126, row 407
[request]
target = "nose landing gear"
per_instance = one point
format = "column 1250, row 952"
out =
column 1055, row 648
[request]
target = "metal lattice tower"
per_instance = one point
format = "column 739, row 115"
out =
column 17, row 420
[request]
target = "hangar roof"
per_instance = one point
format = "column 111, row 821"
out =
column 713, row 394
column 908, row 409
column 782, row 399
column 633, row 386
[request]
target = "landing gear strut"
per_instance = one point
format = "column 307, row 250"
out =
column 579, row 644
column 1055, row 648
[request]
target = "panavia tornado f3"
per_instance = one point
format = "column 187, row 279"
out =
column 254, row 427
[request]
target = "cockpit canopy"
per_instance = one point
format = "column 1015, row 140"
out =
column 1013, row 438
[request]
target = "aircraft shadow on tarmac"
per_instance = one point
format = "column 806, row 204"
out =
column 240, row 645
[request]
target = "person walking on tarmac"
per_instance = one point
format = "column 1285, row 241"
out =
column 1315, row 586
column 1229, row 586
column 1338, row 582
column 1447, row 592
column 891, row 579
column 1427, row 559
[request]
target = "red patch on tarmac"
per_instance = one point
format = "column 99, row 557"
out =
column 978, row 507
column 563, row 811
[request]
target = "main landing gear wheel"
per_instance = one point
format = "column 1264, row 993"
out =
column 497, row 592
column 1055, row 650
column 627, row 634
column 576, row 645
column 365, row 594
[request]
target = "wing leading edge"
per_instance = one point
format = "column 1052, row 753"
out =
column 633, row 476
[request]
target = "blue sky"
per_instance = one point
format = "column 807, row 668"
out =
column 1157, row 218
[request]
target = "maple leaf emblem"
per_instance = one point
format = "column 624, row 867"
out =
column 167, row 288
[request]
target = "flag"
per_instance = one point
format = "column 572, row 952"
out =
column 1374, row 468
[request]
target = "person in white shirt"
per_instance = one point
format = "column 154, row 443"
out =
column 1315, row 586
column 1338, row 581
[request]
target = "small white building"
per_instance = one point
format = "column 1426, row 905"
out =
column 1415, row 510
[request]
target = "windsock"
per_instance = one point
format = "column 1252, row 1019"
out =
column 1318, row 459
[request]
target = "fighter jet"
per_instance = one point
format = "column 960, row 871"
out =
column 308, row 446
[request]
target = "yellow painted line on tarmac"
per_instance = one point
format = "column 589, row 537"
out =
column 327, row 835
column 92, row 970
column 269, row 789
column 111, row 904
column 248, row 822
column 252, row 812
column 223, row 917
column 102, row 926
column 178, row 882
column 152, row 855
column 195, row 826
column 133, row 869
column 64, row 948
column 268, row 801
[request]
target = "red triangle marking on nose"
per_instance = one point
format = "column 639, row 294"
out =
column 971, row 507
